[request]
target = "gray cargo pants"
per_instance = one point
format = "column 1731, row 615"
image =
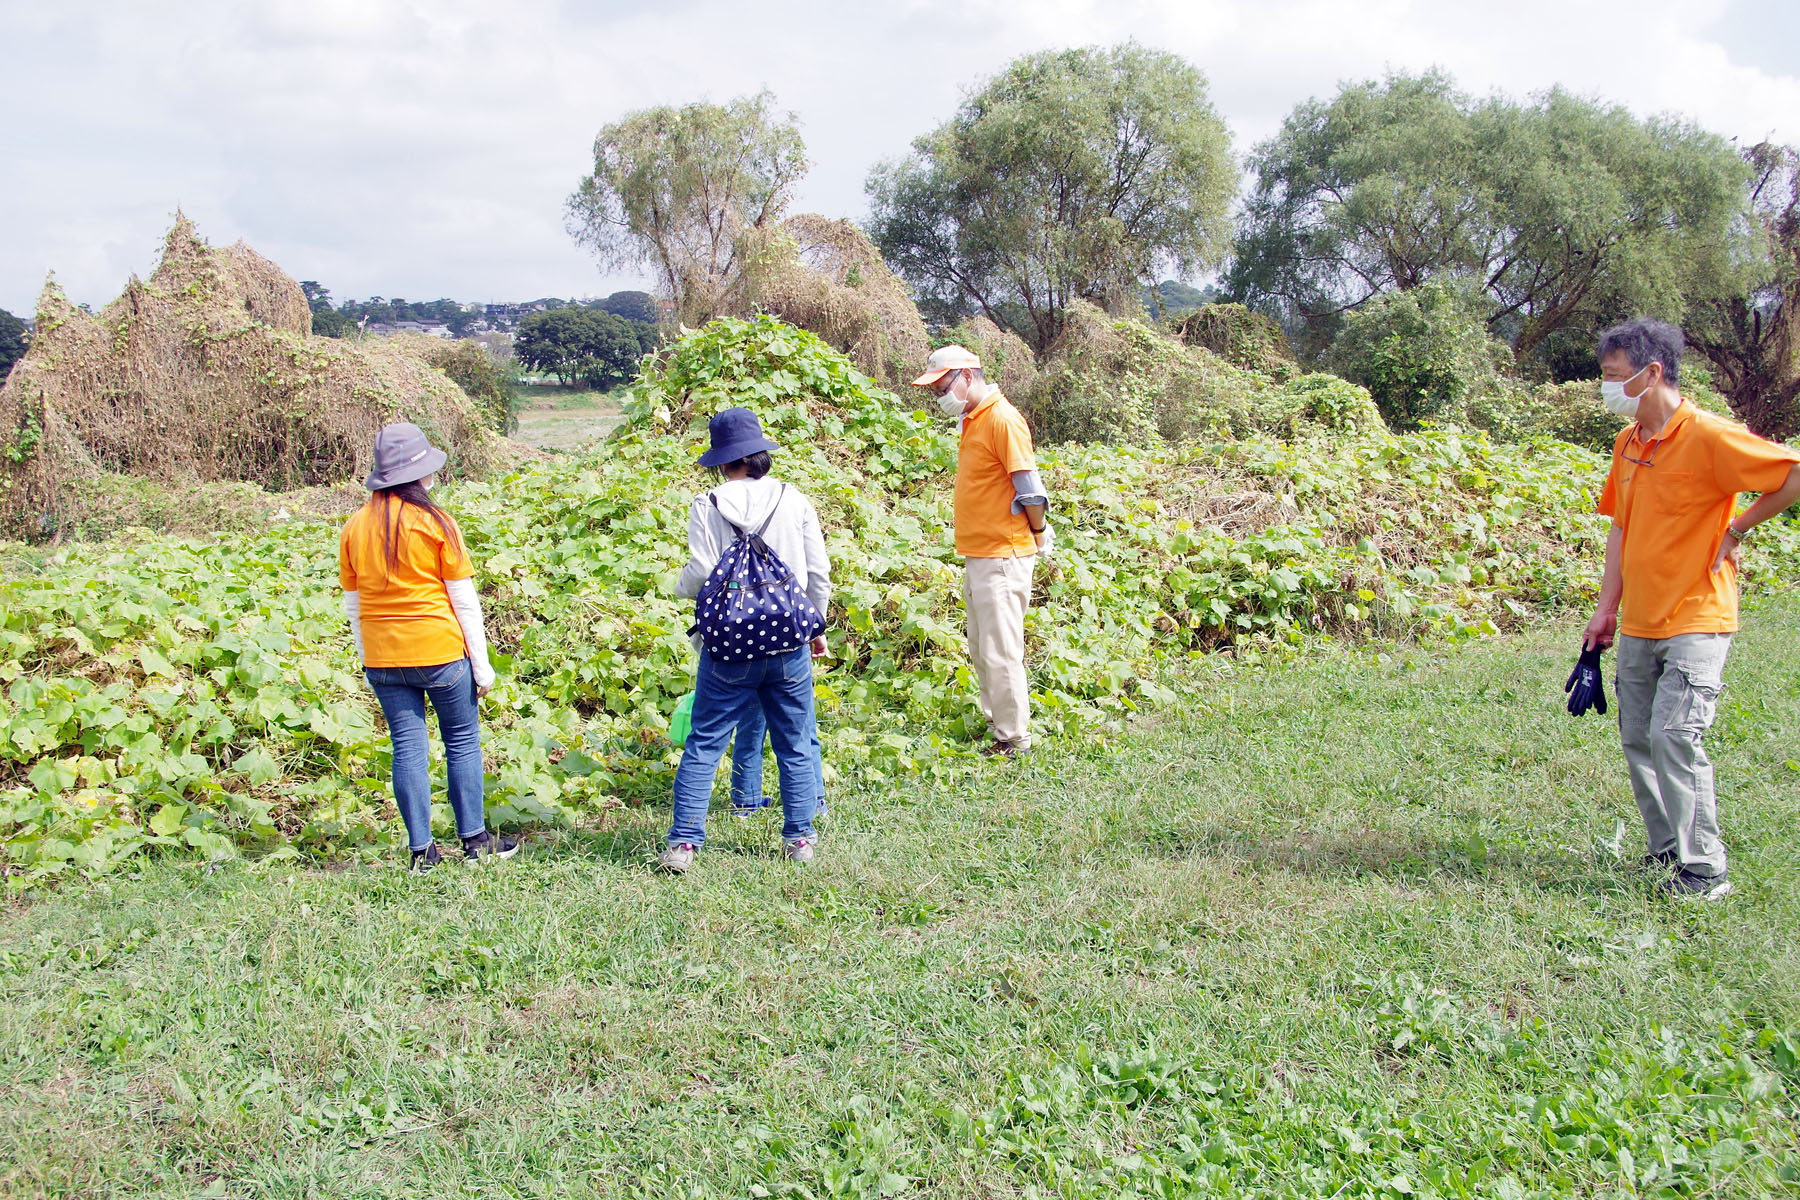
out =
column 1668, row 690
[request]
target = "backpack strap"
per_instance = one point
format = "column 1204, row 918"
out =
column 772, row 508
column 739, row 529
column 735, row 527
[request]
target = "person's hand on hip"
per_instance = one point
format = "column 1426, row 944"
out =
column 1731, row 549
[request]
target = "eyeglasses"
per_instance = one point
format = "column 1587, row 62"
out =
column 1643, row 462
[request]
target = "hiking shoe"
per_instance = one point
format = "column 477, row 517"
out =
column 799, row 850
column 424, row 860
column 676, row 859
column 488, row 845
column 1661, row 858
column 1686, row 884
column 744, row 807
column 1000, row 749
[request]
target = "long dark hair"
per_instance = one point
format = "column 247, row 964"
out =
column 413, row 493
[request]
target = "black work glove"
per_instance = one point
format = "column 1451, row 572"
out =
column 1584, row 687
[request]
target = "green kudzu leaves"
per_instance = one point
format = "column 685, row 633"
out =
column 214, row 683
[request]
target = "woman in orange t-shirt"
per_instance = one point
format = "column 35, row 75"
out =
column 416, row 620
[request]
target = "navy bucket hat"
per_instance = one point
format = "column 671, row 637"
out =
column 736, row 433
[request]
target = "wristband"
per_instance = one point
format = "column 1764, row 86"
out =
column 1037, row 528
column 1740, row 535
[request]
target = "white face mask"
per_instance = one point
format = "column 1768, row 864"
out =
column 950, row 404
column 1612, row 394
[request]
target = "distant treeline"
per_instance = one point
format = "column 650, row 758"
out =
column 462, row 320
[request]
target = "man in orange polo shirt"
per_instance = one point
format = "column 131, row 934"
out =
column 1001, row 528
column 1669, row 590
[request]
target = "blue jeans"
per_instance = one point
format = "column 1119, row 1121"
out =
column 781, row 689
column 402, row 692
column 747, row 760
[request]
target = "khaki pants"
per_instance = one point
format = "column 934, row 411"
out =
column 996, row 593
column 1667, row 692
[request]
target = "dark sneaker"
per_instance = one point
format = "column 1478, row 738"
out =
column 488, row 845
column 1001, row 749
column 1688, row 885
column 424, row 860
column 677, row 858
column 744, row 807
column 1661, row 858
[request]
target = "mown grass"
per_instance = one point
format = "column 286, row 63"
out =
column 558, row 418
column 1353, row 926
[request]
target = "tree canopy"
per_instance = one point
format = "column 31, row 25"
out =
column 633, row 306
column 675, row 188
column 1752, row 335
column 12, row 342
column 1071, row 175
column 1559, row 210
column 588, row 344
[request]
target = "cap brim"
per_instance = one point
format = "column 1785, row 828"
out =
column 931, row 377
column 735, row 451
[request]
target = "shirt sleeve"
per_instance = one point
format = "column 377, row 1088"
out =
column 1028, row 488
column 818, row 562
column 465, row 602
column 353, row 613
column 453, row 556
column 1744, row 462
column 703, row 551
column 346, row 569
column 1012, row 443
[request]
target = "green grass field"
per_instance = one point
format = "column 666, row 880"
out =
column 557, row 418
column 1353, row 926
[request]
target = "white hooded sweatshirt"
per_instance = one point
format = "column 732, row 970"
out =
column 793, row 534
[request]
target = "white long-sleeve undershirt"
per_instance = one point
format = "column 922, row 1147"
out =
column 465, row 602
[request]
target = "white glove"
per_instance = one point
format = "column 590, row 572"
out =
column 1046, row 542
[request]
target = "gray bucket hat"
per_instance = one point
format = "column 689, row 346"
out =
column 402, row 455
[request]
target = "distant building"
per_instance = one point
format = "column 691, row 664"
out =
column 429, row 328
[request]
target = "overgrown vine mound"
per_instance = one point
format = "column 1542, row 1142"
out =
column 205, row 373
column 826, row 276
column 200, row 697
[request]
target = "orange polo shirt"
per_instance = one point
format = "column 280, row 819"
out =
column 1673, row 496
column 995, row 443
column 407, row 620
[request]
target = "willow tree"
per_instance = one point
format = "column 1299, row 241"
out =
column 1752, row 336
column 1563, row 211
column 1071, row 175
column 675, row 189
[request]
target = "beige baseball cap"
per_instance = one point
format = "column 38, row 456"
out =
column 944, row 360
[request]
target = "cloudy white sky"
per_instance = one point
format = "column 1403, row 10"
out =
column 423, row 148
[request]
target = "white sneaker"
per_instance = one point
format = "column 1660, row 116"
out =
column 676, row 859
column 799, row 850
